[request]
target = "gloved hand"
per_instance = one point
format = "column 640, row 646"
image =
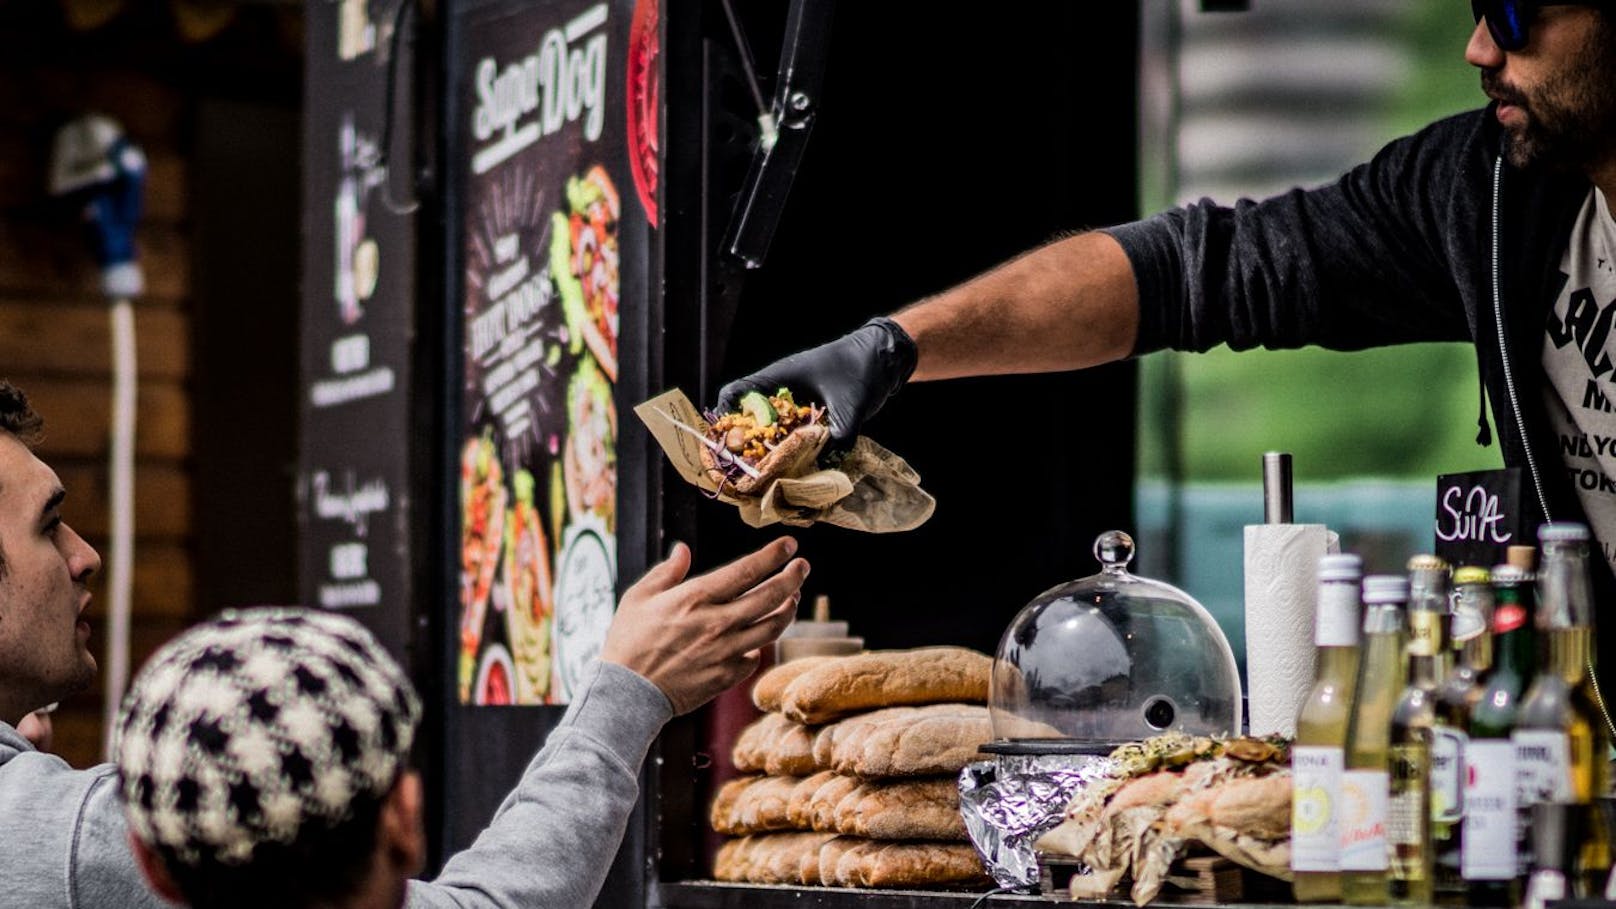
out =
column 852, row 376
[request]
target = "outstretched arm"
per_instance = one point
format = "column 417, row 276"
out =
column 1067, row 305
column 674, row 644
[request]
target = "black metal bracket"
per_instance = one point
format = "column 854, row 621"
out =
column 781, row 143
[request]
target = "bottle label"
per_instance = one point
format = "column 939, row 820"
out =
column 1424, row 633
column 1447, row 774
column 1364, row 794
column 1489, row 814
column 1468, row 622
column 1337, row 622
column 1508, row 617
column 1408, row 811
column 1542, row 766
column 1315, row 822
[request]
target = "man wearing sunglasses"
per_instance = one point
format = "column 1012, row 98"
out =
column 1492, row 226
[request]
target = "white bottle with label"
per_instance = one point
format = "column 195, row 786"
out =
column 1317, row 759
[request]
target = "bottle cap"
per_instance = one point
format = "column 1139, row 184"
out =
column 1340, row 567
column 1385, row 588
column 1472, row 574
column 819, row 636
column 1522, row 557
column 1564, row 532
column 1511, row 574
column 1427, row 562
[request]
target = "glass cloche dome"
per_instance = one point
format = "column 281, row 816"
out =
column 1111, row 658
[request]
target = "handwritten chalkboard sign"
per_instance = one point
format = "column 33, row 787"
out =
column 1479, row 515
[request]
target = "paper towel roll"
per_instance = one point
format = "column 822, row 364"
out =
column 1281, row 569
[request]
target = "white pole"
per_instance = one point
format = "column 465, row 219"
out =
column 121, row 506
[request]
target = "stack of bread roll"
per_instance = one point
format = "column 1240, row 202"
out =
column 850, row 776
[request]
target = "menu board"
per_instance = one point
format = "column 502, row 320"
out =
column 357, row 312
column 546, row 178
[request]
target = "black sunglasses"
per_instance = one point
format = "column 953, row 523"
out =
column 1510, row 21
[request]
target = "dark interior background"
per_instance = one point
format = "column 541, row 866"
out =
column 946, row 143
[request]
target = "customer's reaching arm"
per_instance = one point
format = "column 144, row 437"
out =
column 673, row 645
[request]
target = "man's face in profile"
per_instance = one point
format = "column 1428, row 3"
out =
column 44, row 638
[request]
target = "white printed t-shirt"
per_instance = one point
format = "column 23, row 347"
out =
column 1579, row 359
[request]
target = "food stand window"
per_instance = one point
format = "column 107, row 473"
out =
column 943, row 145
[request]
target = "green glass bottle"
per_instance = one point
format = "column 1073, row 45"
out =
column 1491, row 860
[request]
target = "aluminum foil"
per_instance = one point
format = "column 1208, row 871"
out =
column 1011, row 801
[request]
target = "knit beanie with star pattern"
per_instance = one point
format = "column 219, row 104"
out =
column 250, row 726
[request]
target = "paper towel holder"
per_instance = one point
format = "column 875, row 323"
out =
column 1279, row 503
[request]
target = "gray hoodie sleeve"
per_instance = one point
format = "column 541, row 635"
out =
column 552, row 841
column 63, row 840
column 1365, row 261
column 104, row 869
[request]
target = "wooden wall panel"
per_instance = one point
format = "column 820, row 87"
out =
column 74, row 339
column 162, row 499
column 48, row 260
column 78, row 417
column 164, row 581
column 25, row 180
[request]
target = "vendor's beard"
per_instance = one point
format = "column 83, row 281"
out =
column 1571, row 119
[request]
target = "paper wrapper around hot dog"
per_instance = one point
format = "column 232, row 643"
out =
column 871, row 489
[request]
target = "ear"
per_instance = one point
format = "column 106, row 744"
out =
column 401, row 831
column 155, row 872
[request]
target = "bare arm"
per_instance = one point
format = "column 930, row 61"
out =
column 1067, row 305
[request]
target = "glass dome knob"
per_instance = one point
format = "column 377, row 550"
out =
column 1114, row 549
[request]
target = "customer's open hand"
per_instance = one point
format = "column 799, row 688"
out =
column 695, row 637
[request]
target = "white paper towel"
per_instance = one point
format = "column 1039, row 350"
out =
column 1282, row 562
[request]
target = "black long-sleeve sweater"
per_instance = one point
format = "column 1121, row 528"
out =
column 1437, row 238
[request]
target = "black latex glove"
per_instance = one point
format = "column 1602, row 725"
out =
column 852, row 376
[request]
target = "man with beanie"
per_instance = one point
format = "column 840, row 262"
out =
column 674, row 643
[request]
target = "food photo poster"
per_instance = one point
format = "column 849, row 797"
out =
column 549, row 181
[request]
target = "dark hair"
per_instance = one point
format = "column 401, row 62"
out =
column 21, row 422
column 16, row 417
column 327, row 863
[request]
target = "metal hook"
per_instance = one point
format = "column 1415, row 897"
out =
column 394, row 206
